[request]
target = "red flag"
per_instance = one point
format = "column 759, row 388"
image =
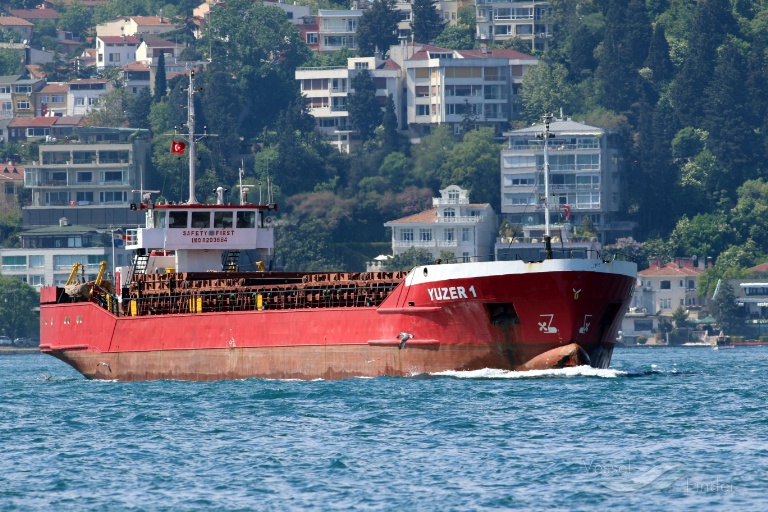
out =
column 567, row 211
column 177, row 148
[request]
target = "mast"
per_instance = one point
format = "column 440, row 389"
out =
column 546, row 135
column 191, row 126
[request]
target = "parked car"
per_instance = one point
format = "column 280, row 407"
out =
column 5, row 341
column 26, row 342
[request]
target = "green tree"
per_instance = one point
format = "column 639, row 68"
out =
column 429, row 156
column 413, row 257
column 10, row 62
column 364, row 111
column 546, row 89
column 622, row 52
column 76, row 18
column 703, row 235
column 112, row 109
column 139, row 109
column 305, row 247
column 426, row 23
column 680, row 317
column 456, row 38
column 658, row 60
column 391, row 140
column 377, row 28
column 18, row 301
column 260, row 50
column 474, row 164
column 723, row 307
column 161, row 85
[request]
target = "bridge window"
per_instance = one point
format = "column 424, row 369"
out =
column 222, row 219
column 246, row 219
column 201, row 220
column 177, row 219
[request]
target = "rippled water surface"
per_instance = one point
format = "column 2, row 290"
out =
column 663, row 429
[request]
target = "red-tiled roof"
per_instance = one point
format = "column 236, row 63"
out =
column 35, row 14
column 13, row 21
column 425, row 216
column 11, row 172
column 670, row 269
column 118, row 39
column 32, row 122
column 160, row 43
column 69, row 120
column 36, row 71
column 763, row 267
column 136, row 66
column 54, row 88
column 390, row 64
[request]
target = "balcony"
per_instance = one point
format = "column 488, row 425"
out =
column 459, row 220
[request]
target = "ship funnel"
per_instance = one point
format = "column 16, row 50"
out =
column 220, row 195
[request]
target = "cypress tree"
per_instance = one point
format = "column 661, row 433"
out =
column 426, row 24
column 160, row 82
column 364, row 112
column 377, row 28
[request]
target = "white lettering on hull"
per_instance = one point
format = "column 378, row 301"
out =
column 450, row 293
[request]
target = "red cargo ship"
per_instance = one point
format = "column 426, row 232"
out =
column 185, row 311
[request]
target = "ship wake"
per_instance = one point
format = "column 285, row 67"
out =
column 575, row 371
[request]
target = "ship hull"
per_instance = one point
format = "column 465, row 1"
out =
column 503, row 315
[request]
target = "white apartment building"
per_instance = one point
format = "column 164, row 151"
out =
column 326, row 90
column 47, row 255
column 83, row 93
column 115, row 50
column 100, row 168
column 337, row 29
column 500, row 20
column 585, row 181
column 452, row 225
column 150, row 49
column 6, row 96
column 665, row 287
column 135, row 26
column 444, row 86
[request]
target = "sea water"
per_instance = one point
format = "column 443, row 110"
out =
column 663, row 429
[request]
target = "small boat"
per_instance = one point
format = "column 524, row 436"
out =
column 185, row 310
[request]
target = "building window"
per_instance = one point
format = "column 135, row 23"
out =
column 114, row 57
column 665, row 285
column 113, row 197
column 84, row 198
column 57, row 98
column 406, row 234
column 449, row 235
column 361, row 65
column 465, row 234
column 449, row 213
column 79, row 101
column 36, row 280
column 112, row 176
column 84, row 177
column 311, row 37
column 425, row 235
column 38, row 132
column 11, row 263
column 37, row 261
column 665, row 303
column 22, row 89
column 422, row 110
column 22, row 105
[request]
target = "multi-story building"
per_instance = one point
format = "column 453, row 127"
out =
column 51, row 100
column 6, row 96
column 136, row 77
column 450, row 86
column 585, row 181
column 665, row 287
column 12, row 181
column 337, row 29
column 115, row 50
column 49, row 128
column 453, row 225
column 326, row 90
column 22, row 96
column 500, row 20
column 135, row 26
column 14, row 24
column 48, row 254
column 91, row 179
column 150, row 49
column 83, row 93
